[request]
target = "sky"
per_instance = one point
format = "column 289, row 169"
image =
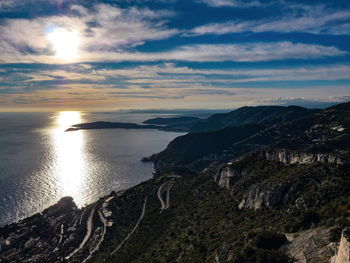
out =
column 172, row 54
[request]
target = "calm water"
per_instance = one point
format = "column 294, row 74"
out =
column 40, row 163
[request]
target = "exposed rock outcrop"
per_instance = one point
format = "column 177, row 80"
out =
column 294, row 157
column 343, row 255
column 269, row 195
column 227, row 176
column 311, row 246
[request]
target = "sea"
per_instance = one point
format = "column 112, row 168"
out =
column 40, row 162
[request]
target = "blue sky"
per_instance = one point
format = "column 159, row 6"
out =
column 98, row 55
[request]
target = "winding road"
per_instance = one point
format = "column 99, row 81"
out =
column 168, row 195
column 97, row 247
column 134, row 229
column 165, row 205
column 159, row 193
column 89, row 226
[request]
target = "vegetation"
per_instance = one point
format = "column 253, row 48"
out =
column 205, row 222
column 249, row 115
column 188, row 148
column 321, row 132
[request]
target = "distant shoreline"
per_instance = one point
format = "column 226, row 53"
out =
column 173, row 124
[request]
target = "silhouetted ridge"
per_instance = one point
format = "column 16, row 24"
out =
column 248, row 115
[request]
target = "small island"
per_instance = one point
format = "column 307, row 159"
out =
column 110, row 125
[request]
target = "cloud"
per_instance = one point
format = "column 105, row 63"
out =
column 110, row 33
column 61, row 75
column 305, row 102
column 240, row 52
column 315, row 20
column 244, row 52
column 231, row 3
column 166, row 70
column 169, row 75
column 143, row 95
column 103, row 28
column 114, row 67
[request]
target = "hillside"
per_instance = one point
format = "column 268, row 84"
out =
column 205, row 223
column 325, row 131
column 185, row 150
column 248, row 115
column 172, row 120
column 244, row 211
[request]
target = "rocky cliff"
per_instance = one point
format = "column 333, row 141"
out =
column 227, row 176
column 296, row 157
column 311, row 246
column 229, row 173
column 260, row 193
column 269, row 195
column 343, row 255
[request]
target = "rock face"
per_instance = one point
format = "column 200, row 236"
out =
column 294, row 157
column 311, row 246
column 269, row 196
column 343, row 255
column 227, row 176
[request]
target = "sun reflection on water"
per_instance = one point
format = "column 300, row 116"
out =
column 69, row 155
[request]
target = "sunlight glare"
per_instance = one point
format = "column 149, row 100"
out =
column 69, row 148
column 68, row 118
column 65, row 43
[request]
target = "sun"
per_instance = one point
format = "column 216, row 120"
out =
column 65, row 43
column 68, row 118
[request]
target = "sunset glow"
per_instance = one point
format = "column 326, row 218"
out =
column 65, row 43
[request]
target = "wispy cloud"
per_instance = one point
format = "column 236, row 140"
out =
column 231, row 3
column 169, row 75
column 245, row 52
column 315, row 20
column 235, row 52
column 305, row 101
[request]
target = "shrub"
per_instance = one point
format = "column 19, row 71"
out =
column 308, row 218
column 335, row 234
column 342, row 221
column 330, row 222
column 269, row 240
column 255, row 255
